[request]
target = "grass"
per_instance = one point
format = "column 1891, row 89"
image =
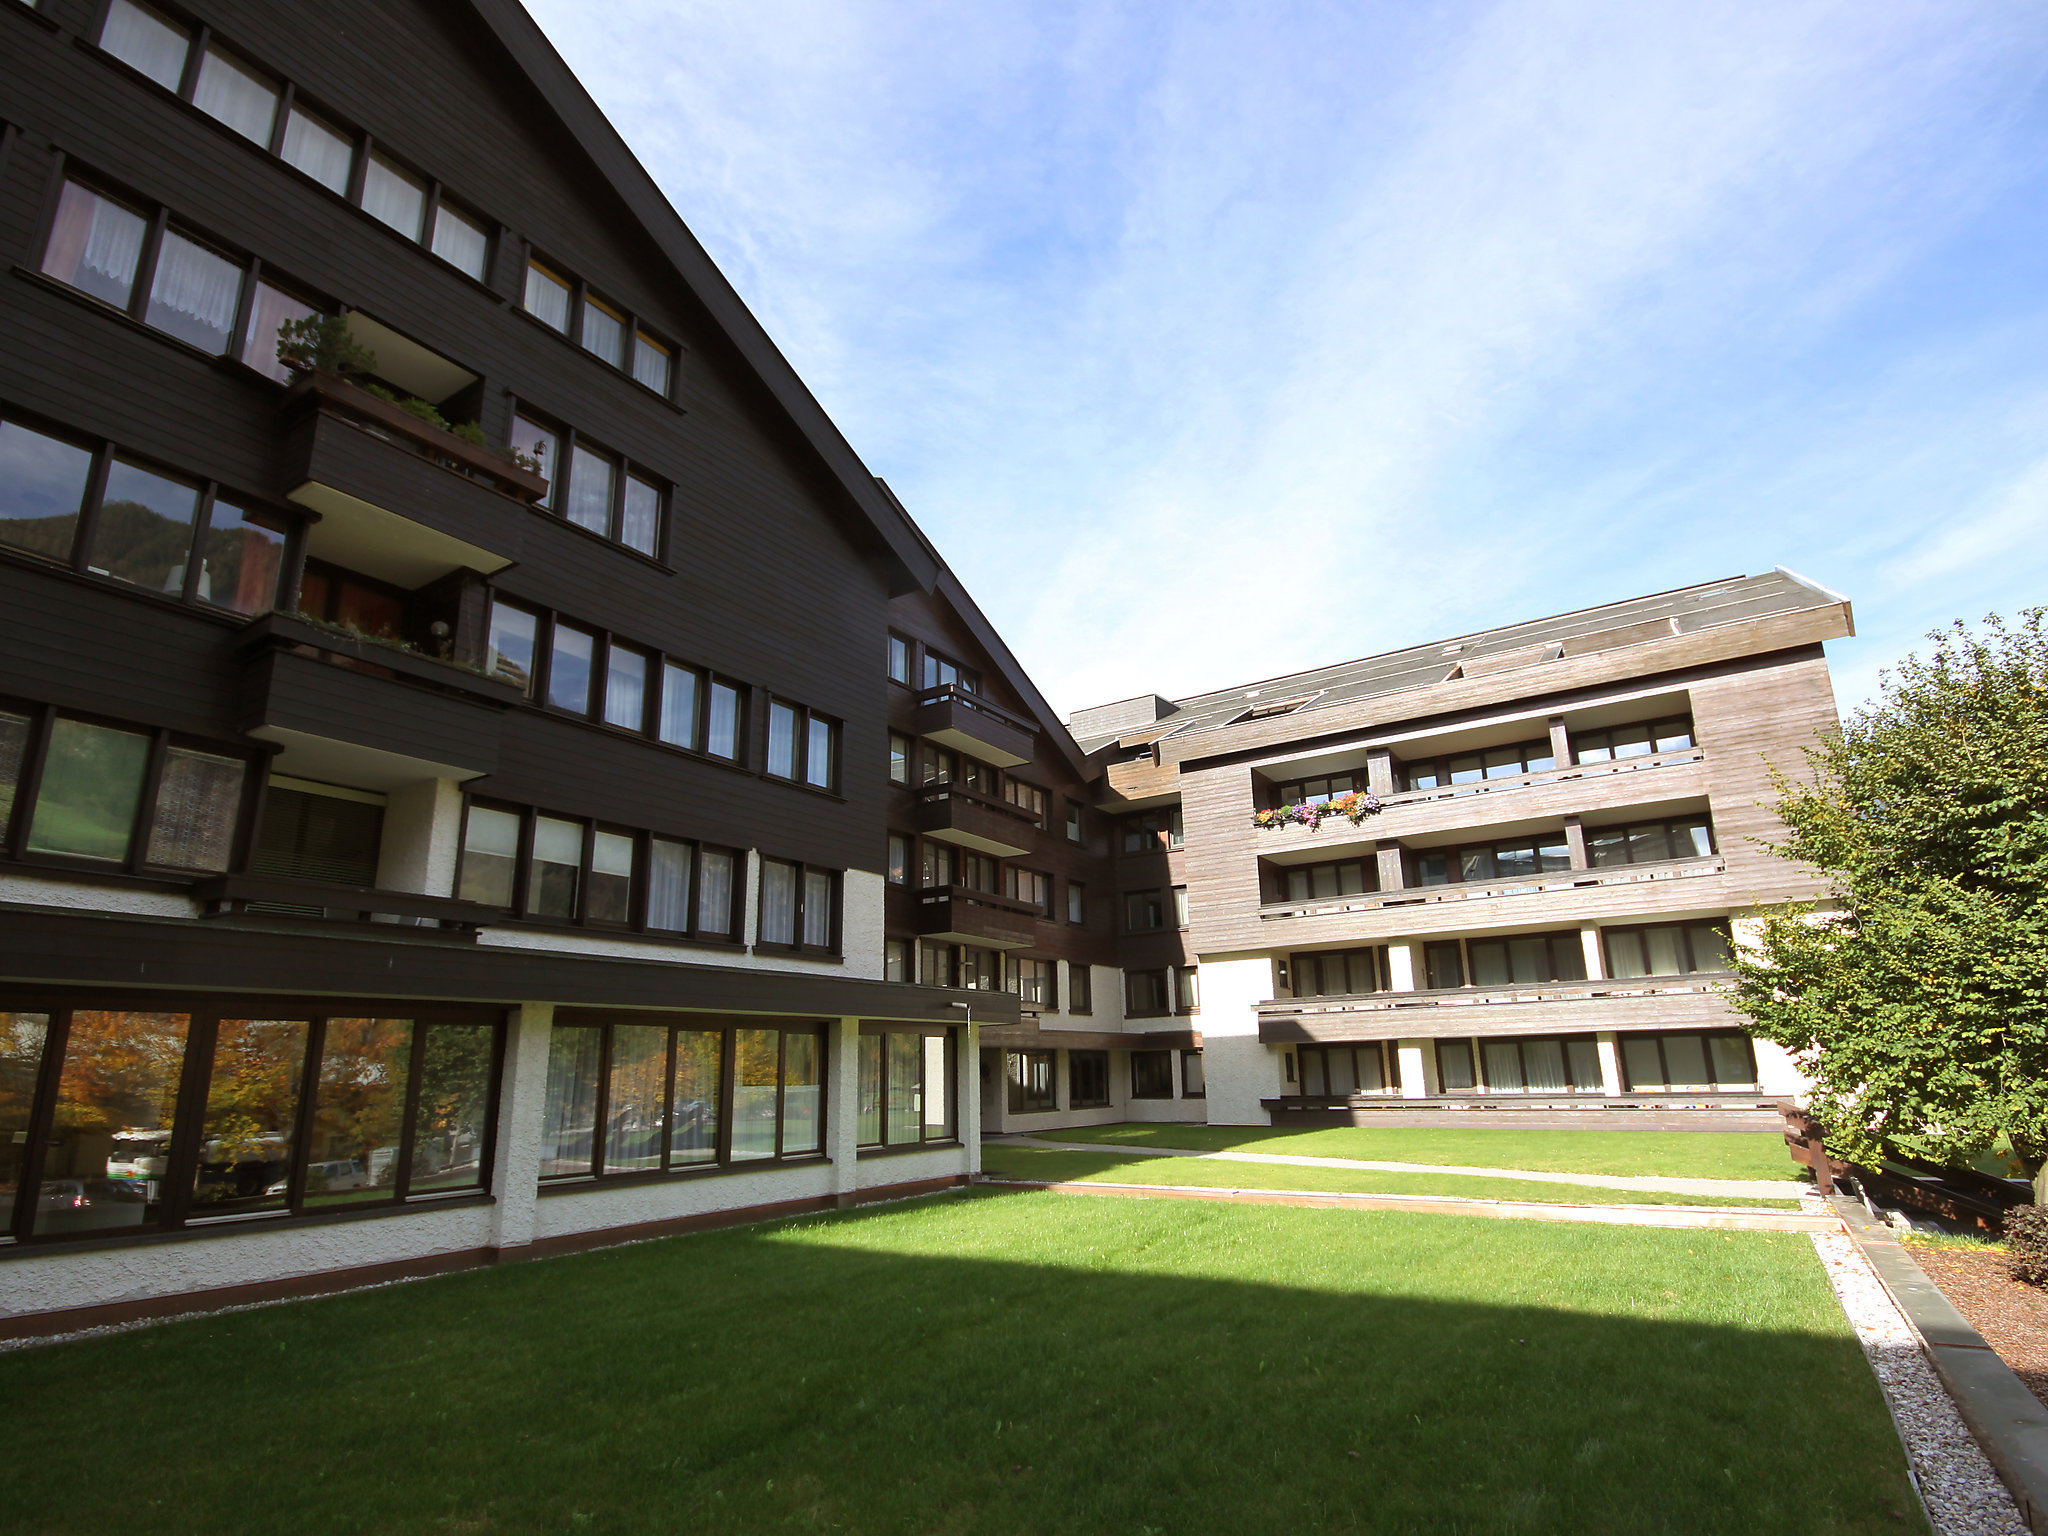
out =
column 1971, row 1242
column 1666, row 1154
column 1107, row 1167
column 1000, row 1365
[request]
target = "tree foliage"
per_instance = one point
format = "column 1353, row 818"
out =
column 1919, row 1004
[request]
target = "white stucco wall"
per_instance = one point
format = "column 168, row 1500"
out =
column 1241, row 1071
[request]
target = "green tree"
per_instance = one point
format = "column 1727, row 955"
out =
column 1919, row 1005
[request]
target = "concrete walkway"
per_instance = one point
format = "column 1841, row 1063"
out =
column 1757, row 1189
column 1719, row 1218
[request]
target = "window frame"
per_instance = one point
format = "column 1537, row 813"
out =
column 632, row 324
column 1153, row 1060
column 1683, row 930
column 1385, row 1052
column 1097, row 1061
column 1155, row 896
column 805, row 718
column 1439, row 765
column 1133, row 1009
column 1706, row 1037
column 1023, row 1072
column 569, row 442
column 1081, row 997
column 1454, row 855
column 1607, row 732
column 1666, row 826
column 1155, row 831
column 1201, row 1074
column 951, row 1069
column 801, row 887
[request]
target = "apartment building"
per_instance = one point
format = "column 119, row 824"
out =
column 1500, row 871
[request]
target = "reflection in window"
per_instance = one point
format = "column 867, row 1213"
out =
column 568, row 1132
column 235, row 94
column 756, row 1065
column 490, row 856
column 802, row 1093
column 144, row 528
column 359, row 1110
column 541, row 444
column 693, row 1121
column 453, row 1119
column 513, row 640
column 92, row 784
column 668, row 886
column 636, row 1098
column 252, row 1116
column 590, row 490
column 110, row 1135
column 611, row 878
column 239, row 561
column 270, row 309
column 42, row 485
column 569, row 666
column 555, row 869
column 22, row 1039
column 95, row 245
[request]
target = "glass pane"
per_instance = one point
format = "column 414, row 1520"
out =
column 1443, row 965
column 906, row 1096
column 92, row 784
column 650, row 363
column 633, row 1127
column 110, row 1139
column 1648, row 844
column 1503, row 1066
column 678, row 705
column 1685, row 1058
column 714, row 893
column 42, row 482
column 490, row 856
column 1583, row 1056
column 557, row 866
column 1322, row 882
column 94, row 245
column 1343, row 1071
column 539, row 443
column 1709, row 947
column 147, row 39
column 1423, row 777
column 454, row 1108
column 322, row 152
column 231, row 91
column 1313, row 1082
column 668, row 886
column 239, row 561
column 611, row 878
column 1732, row 1068
column 590, row 490
column 818, row 909
column 1672, row 735
column 801, row 1092
column 1365, row 1057
column 938, row 1090
column 1625, row 957
column 22, row 1037
column 1645, row 1068
column 547, row 297
column 693, row 1125
column 1691, row 839
column 778, row 902
column 1529, row 960
column 393, row 196
column 1594, row 749
column 568, row 1127
column 1631, row 740
column 1359, row 970
column 781, row 740
column 1503, row 762
column 513, row 635
column 1468, row 769
column 604, row 333
column 1537, row 757
column 1489, row 963
column 625, row 689
column 359, row 1110
column 13, row 748
column 460, row 241
column 252, row 1114
column 1554, row 856
column 721, row 736
column 145, row 528
column 1432, row 869
column 1667, row 953
column 818, row 756
column 868, row 1090
column 1475, row 864
column 1568, row 957
column 569, row 665
column 640, row 519
column 1543, row 1061
column 198, row 802
column 1454, row 1065
column 1514, row 863
column 1606, row 847
column 753, row 1093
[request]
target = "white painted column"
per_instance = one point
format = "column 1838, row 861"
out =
column 1401, row 959
column 1610, row 1063
column 1596, row 963
column 1418, row 1068
column 522, row 1100
column 422, row 836
column 968, row 1085
column 842, row 1109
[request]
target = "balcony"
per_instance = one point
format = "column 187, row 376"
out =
column 955, row 718
column 971, row 819
column 956, row 914
column 1543, row 1008
column 266, row 896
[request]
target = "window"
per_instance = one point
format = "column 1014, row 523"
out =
column 1144, row 912
column 938, row 672
column 1723, row 1062
column 899, row 758
column 1087, row 1079
column 905, row 1088
column 193, row 294
column 392, row 195
column 981, row 970
column 1639, row 740
column 513, row 643
column 799, row 907
column 1688, row 837
column 1339, row 1071
column 722, row 726
column 289, row 1116
column 1540, row 1064
column 570, row 660
column 1473, row 767
column 1337, row 972
column 604, row 332
column 646, row 1097
column 898, row 962
column 899, row 859
column 679, row 692
column 461, row 241
column 1455, row 1071
column 899, row 659
column 1030, row 887
column 1033, row 982
column 1193, row 1082
column 625, row 688
column 1187, row 996
column 1151, row 1074
column 938, row 766
column 651, row 363
column 1325, row 882
column 1149, row 831
column 640, row 515
column 146, row 40
column 1145, row 992
column 1443, row 965
column 668, row 885
column 1080, row 988
column 543, row 445
column 1511, row 859
column 1077, row 902
column 95, row 245
column 1535, row 958
column 1318, row 791
column 1026, row 797
column 1666, row 949
column 319, row 149
column 936, row 964
column 115, row 795
column 591, row 479
column 547, row 297
column 1180, row 906
column 1029, row 1076
column 270, row 308
column 802, row 746
column 1074, row 832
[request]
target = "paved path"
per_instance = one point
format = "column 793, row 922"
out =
column 1716, row 1217
column 1760, row 1189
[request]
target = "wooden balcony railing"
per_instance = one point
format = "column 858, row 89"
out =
column 1488, row 890
column 279, row 896
column 338, row 397
column 1699, row 982
column 1572, row 773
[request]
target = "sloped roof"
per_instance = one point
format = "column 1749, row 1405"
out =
column 1708, row 605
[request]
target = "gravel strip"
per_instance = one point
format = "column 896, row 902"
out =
column 1962, row 1494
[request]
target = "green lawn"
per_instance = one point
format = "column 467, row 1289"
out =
column 1669, row 1154
column 1109, row 1168
column 1003, row 1365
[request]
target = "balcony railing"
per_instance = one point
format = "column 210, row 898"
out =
column 963, row 915
column 1488, row 890
column 338, row 397
column 277, row 896
column 953, row 717
column 1488, row 997
column 954, row 814
column 1571, row 773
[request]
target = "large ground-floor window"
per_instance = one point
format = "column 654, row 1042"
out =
column 1029, row 1078
column 657, row 1093
column 1338, row 1071
column 1535, row 1064
column 1722, row 1062
column 1088, row 1079
column 906, row 1086
column 126, row 1115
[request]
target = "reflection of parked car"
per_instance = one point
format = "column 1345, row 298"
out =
column 330, row 1178
column 72, row 1205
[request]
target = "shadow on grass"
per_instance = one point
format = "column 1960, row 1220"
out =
column 999, row 1364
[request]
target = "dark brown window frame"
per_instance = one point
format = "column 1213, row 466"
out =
column 1411, row 859
column 883, row 1032
column 1408, row 769
column 1704, row 1036
column 1154, row 831
column 1202, row 1067
column 1022, row 1073
column 1151, row 1060
column 1385, row 1052
column 1666, row 824
column 1579, row 738
column 1294, row 791
column 1279, row 876
column 635, row 324
column 1081, row 997
column 829, row 950
column 1013, row 977
column 1013, row 877
column 1148, row 1010
column 568, row 440
column 800, row 747
column 1376, row 957
column 1684, row 931
column 1098, row 1065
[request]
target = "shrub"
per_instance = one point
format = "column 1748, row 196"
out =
column 2026, row 1237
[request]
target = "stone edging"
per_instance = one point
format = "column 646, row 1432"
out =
column 2007, row 1419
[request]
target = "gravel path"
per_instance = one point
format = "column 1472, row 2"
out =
column 1962, row 1493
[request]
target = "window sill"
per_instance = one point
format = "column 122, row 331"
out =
column 583, row 1183
column 42, row 1246
column 799, row 952
column 640, row 738
column 48, row 23
column 950, row 1144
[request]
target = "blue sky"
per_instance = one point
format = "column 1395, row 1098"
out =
column 1215, row 342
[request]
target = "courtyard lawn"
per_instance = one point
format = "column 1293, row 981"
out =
column 1108, row 1168
column 1665, row 1154
column 1001, row 1363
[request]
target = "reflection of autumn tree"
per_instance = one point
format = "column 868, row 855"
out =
column 121, row 1070
column 21, row 1053
column 755, row 1057
column 255, row 1087
column 455, row 1079
column 361, row 1103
